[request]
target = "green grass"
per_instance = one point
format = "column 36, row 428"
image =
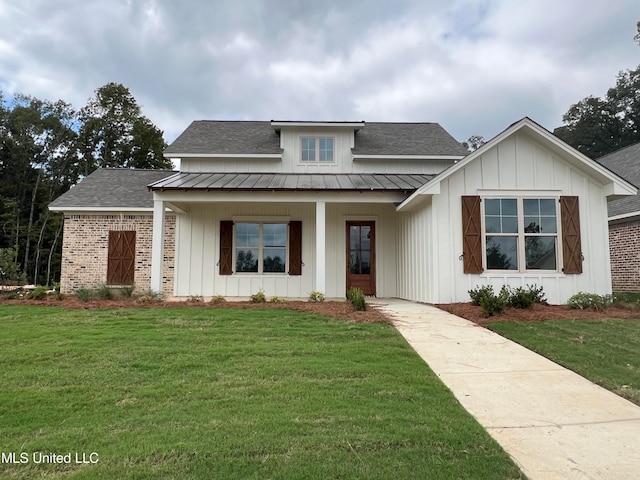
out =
column 607, row 352
column 223, row 393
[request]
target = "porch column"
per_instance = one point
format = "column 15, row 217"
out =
column 157, row 248
column 320, row 247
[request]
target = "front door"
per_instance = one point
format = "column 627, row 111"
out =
column 361, row 256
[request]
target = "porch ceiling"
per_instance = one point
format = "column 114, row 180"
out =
column 291, row 182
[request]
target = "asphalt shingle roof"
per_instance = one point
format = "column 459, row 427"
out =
column 375, row 138
column 112, row 187
column 625, row 163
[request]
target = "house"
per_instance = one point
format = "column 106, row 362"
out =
column 396, row 209
column 624, row 221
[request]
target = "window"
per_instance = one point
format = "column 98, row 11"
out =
column 521, row 234
column 260, row 247
column 316, row 149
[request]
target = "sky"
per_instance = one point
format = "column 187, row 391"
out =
column 473, row 66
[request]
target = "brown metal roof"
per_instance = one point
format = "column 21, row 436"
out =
column 291, row 181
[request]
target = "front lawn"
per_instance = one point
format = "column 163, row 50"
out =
column 607, row 352
column 185, row 393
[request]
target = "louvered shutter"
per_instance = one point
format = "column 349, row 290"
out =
column 121, row 258
column 571, row 243
column 471, row 234
column 226, row 247
column 295, row 247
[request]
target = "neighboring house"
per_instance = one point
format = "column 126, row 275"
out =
column 396, row 209
column 624, row 222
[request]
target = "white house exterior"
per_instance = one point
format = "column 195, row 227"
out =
column 295, row 207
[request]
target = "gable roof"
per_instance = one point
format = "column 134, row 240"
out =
column 626, row 163
column 120, row 189
column 213, row 137
column 616, row 185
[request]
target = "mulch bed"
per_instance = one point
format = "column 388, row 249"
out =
column 335, row 309
column 539, row 312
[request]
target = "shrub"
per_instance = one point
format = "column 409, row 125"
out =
column 149, row 296
column 38, row 293
column 195, row 299
column 275, row 299
column 127, row 291
column 218, row 299
column 478, row 293
column 104, row 292
column 524, row 298
column 590, row 301
column 316, row 296
column 84, row 294
column 357, row 299
column 259, row 297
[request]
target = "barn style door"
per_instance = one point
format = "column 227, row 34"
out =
column 122, row 258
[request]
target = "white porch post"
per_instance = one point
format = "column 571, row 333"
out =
column 320, row 247
column 157, row 248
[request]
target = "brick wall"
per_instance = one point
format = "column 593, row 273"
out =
column 85, row 248
column 624, row 248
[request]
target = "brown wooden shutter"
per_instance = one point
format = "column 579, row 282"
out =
column 226, row 247
column 295, row 247
column 571, row 244
column 121, row 258
column 471, row 234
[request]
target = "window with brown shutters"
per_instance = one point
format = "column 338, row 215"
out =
column 295, row 247
column 121, row 258
column 226, row 247
column 571, row 243
column 471, row 234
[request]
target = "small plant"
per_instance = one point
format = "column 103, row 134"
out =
column 195, row 299
column 38, row 293
column 316, row 296
column 127, row 291
column 490, row 303
column 590, row 301
column 85, row 294
column 258, row 297
column 357, row 299
column 149, row 296
column 104, row 292
column 218, row 299
column 478, row 293
column 275, row 299
column 524, row 298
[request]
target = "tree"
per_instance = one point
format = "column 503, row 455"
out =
column 473, row 143
column 114, row 133
column 598, row 126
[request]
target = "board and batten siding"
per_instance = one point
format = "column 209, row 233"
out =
column 198, row 249
column 518, row 165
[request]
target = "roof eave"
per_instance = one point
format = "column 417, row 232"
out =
column 277, row 156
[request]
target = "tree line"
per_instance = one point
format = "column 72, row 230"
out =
column 45, row 148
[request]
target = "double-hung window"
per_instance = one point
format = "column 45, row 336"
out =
column 316, row 149
column 260, row 247
column 521, row 234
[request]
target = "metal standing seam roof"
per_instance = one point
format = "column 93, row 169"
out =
column 625, row 163
column 289, row 181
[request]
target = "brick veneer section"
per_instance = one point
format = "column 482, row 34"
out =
column 624, row 248
column 85, row 248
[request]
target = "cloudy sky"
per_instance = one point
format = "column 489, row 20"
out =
column 474, row 66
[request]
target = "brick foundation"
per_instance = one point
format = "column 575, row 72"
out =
column 624, row 248
column 85, row 248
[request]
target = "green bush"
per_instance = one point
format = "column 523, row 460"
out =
column 38, row 293
column 357, row 299
column 258, row 297
column 524, row 298
column 275, row 299
column 478, row 293
column 316, row 296
column 84, row 294
column 149, row 296
column 490, row 303
column 127, row 291
column 590, row 301
column 104, row 292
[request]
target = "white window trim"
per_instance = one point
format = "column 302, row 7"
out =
column 522, row 261
column 261, row 221
column 317, row 161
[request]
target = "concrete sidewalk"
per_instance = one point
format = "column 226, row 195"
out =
column 554, row 423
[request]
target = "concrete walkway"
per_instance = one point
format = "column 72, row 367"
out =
column 554, row 423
